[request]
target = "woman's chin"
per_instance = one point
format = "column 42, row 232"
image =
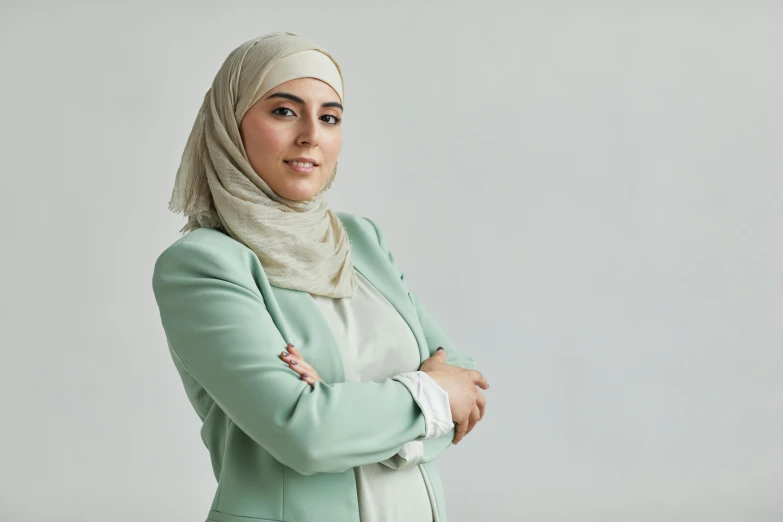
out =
column 298, row 193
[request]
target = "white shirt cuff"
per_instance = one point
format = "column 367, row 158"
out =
column 410, row 455
column 432, row 400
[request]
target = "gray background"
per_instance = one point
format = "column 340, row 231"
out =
column 587, row 196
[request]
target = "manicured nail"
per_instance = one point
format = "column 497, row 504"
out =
column 304, row 375
column 286, row 354
column 440, row 349
column 289, row 345
column 294, row 363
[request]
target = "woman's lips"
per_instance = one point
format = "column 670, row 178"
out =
column 301, row 168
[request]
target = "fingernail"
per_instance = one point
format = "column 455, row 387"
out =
column 440, row 349
column 294, row 363
column 286, row 354
column 304, row 375
column 289, row 345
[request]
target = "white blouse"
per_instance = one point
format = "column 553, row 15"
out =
column 376, row 343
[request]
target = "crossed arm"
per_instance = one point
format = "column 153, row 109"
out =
column 215, row 320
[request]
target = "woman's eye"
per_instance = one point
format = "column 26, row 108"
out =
column 334, row 119
column 280, row 110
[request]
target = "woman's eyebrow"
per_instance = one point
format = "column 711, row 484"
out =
column 297, row 99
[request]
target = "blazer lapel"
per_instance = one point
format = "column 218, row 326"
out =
column 378, row 271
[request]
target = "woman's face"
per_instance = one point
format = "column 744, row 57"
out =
column 292, row 136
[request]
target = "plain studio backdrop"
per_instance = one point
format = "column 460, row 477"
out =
column 587, row 196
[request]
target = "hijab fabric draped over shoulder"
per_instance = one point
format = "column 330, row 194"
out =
column 301, row 245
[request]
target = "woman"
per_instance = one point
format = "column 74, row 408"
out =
column 322, row 382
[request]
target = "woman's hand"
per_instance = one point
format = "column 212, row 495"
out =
column 297, row 363
column 466, row 401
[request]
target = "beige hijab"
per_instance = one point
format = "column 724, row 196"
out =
column 301, row 245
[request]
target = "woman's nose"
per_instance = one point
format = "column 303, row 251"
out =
column 308, row 131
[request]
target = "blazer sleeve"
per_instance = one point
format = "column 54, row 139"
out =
column 435, row 337
column 218, row 326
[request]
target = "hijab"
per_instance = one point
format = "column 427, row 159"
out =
column 301, row 245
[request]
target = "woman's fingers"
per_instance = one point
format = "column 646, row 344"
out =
column 294, row 358
column 306, row 371
column 475, row 416
column 297, row 364
column 478, row 379
column 310, row 379
column 481, row 403
column 466, row 426
column 295, row 361
column 461, row 429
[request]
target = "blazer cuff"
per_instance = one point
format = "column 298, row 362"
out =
column 432, row 400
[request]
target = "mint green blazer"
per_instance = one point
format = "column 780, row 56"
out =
column 280, row 449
